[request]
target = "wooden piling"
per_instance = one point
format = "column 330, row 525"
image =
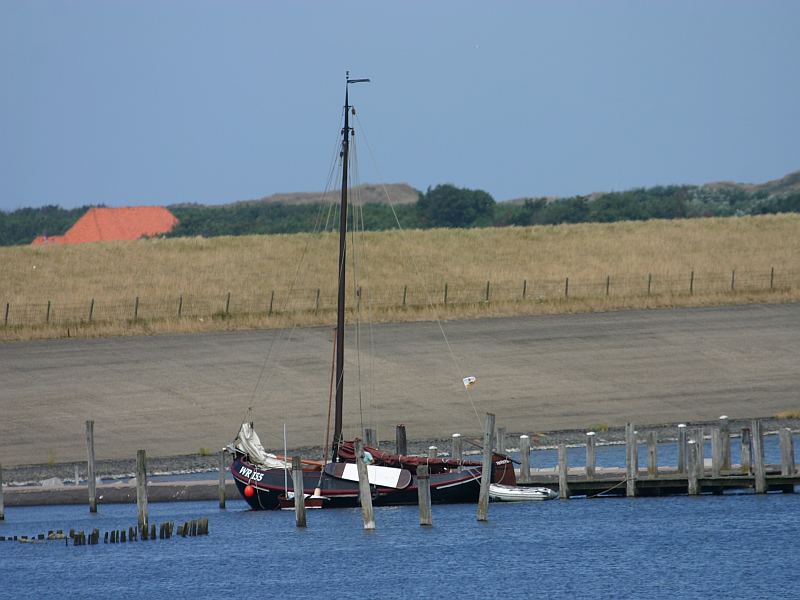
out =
column 501, row 440
column 458, row 448
column 2, row 505
column 563, row 486
column 682, row 448
column 91, row 481
column 716, row 452
column 365, row 492
column 433, row 451
column 299, row 496
column 400, row 440
column 424, row 494
column 141, row 489
column 486, row 471
column 631, row 461
column 691, row 468
column 700, row 464
column 591, row 460
column 222, row 479
column 746, row 460
column 787, row 451
column 725, row 435
column 652, row 454
column 525, row 458
column 759, row 471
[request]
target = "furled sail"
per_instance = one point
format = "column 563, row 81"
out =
column 248, row 442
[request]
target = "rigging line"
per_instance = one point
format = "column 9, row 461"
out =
column 356, row 273
column 429, row 300
column 277, row 339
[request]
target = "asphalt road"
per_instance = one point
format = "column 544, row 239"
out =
column 176, row 394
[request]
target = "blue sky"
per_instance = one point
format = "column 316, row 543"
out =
column 127, row 103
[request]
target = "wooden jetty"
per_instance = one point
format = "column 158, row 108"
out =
column 694, row 474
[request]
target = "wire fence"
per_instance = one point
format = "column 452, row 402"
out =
column 315, row 300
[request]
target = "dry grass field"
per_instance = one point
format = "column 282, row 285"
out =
column 608, row 266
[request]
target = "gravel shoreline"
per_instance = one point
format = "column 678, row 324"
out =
column 197, row 463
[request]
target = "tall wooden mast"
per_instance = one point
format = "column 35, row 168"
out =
column 346, row 132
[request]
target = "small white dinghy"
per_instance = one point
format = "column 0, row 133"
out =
column 507, row 493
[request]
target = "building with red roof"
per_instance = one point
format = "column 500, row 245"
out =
column 111, row 224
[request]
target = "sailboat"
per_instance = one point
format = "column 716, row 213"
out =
column 261, row 477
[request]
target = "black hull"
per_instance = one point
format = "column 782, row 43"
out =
column 267, row 484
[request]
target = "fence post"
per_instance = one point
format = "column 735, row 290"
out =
column 180, row 305
column 563, row 485
column 691, row 283
column 91, row 481
column 5, row 319
column 566, row 288
column 271, row 300
column 649, row 282
column 771, row 277
column 486, row 471
column 458, row 449
column 758, row 458
column 733, row 279
column 524, row 288
column 591, row 461
column 141, row 489
column 299, row 494
column 316, row 302
column 608, row 283
column 365, row 492
column 91, row 310
column 487, row 291
column 400, row 440
column 445, row 294
column 47, row 318
column 682, row 448
column 136, row 308
column 525, row 458
column 227, row 303
column 405, row 292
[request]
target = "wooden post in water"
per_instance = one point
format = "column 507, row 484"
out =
column 563, row 486
column 525, row 458
column 433, row 451
column 787, row 451
column 591, row 460
column 652, row 454
column 716, row 452
column 365, row 493
column 299, row 496
column 424, row 493
column 682, row 448
column 2, row 505
column 746, row 452
column 758, row 458
column 222, row 479
column 400, row 440
column 141, row 489
column 458, row 448
column 631, row 461
column 501, row 440
column 486, row 472
column 91, row 481
column 691, row 468
column 725, row 434
column 700, row 464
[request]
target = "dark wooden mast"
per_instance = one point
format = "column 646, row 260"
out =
column 346, row 132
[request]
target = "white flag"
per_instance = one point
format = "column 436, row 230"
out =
column 469, row 381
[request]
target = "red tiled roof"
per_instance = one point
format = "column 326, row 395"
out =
column 109, row 224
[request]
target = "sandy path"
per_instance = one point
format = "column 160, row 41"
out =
column 175, row 394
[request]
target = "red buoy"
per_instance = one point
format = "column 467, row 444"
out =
column 249, row 490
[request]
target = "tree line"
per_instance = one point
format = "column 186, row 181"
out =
column 444, row 205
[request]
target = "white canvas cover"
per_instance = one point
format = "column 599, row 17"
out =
column 248, row 442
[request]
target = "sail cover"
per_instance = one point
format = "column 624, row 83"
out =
column 248, row 442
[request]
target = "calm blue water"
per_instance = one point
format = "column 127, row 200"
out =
column 708, row 546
